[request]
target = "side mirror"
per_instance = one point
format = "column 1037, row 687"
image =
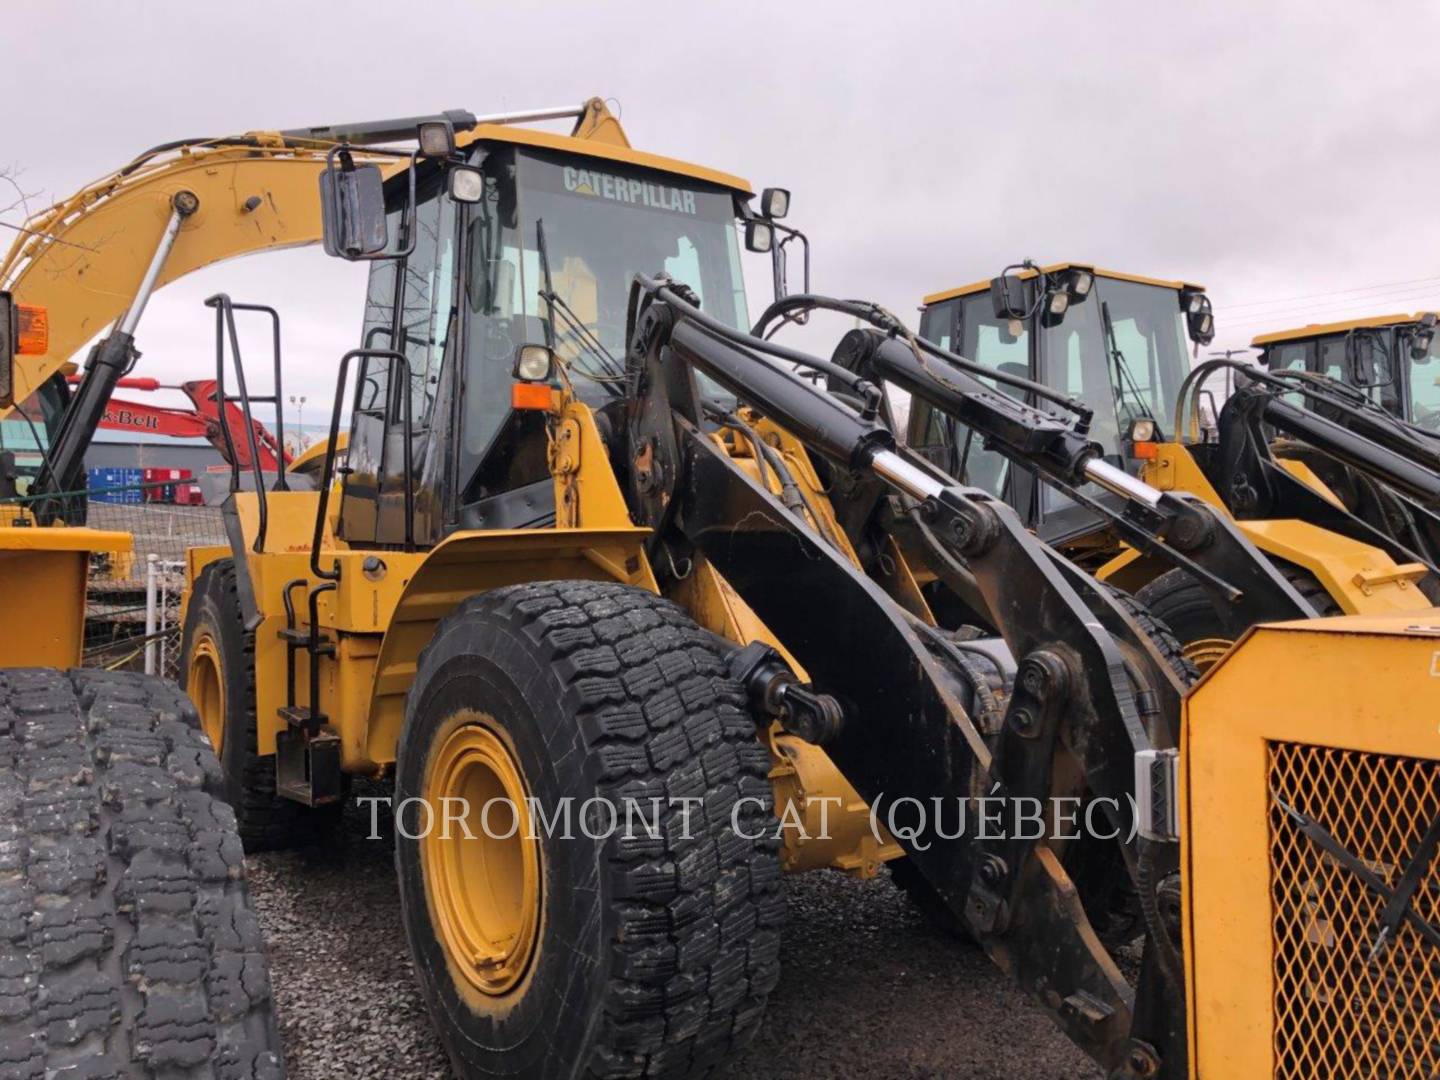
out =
column 9, row 328
column 24, row 331
column 352, row 211
column 759, row 236
column 1007, row 297
column 1199, row 316
column 1421, row 338
column 1367, row 362
column 774, row 203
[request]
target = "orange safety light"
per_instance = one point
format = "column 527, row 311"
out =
column 33, row 338
column 529, row 395
column 1147, row 451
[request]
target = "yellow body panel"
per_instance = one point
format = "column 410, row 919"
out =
column 42, row 592
column 1055, row 268
column 1360, row 578
column 1291, row 683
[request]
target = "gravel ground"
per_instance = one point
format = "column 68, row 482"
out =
column 868, row 988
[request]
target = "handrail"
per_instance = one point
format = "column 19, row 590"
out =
column 328, row 474
column 225, row 323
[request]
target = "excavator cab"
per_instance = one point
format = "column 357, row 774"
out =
column 1118, row 343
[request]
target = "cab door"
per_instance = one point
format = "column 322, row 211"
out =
column 410, row 309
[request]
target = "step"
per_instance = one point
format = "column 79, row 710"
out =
column 308, row 770
column 298, row 716
column 299, row 637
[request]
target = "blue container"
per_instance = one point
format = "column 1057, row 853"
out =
column 115, row 485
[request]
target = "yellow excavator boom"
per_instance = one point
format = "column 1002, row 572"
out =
column 86, row 257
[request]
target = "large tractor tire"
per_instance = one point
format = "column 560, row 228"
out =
column 1178, row 600
column 555, row 952
column 127, row 945
column 217, row 670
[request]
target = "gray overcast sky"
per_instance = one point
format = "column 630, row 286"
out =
column 1278, row 153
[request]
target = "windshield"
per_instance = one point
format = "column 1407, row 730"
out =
column 1122, row 350
column 553, row 251
column 1425, row 388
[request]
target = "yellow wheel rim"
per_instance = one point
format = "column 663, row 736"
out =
column 1205, row 652
column 206, row 685
column 481, row 866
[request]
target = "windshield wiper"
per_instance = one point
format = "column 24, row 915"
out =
column 611, row 371
column 544, row 254
column 1122, row 367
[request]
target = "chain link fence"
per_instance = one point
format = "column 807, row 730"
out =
column 132, row 612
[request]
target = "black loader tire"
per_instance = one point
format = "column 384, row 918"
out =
column 127, row 944
column 268, row 822
column 1181, row 603
column 656, row 954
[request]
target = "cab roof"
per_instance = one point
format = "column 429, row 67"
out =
column 1056, row 268
column 1312, row 330
column 606, row 141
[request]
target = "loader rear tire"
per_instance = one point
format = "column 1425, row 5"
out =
column 128, row 948
column 217, row 670
column 1179, row 601
column 614, row 954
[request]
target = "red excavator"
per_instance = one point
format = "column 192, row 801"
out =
column 203, row 421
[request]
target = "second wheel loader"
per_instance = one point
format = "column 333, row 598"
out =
column 1119, row 343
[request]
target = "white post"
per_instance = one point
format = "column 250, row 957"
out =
column 151, row 580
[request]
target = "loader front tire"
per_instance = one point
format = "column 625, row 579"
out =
column 585, row 949
column 217, row 670
column 128, row 948
column 1180, row 602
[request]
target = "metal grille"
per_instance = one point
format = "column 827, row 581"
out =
column 1338, row 1013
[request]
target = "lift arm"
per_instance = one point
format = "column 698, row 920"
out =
column 907, row 739
column 1245, row 588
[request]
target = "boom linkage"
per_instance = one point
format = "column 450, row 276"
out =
column 1244, row 587
column 908, row 741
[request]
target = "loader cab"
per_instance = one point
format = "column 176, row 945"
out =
column 542, row 251
column 1394, row 359
column 1118, row 342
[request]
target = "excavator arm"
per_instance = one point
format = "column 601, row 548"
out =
column 93, row 259
column 201, row 421
column 85, row 258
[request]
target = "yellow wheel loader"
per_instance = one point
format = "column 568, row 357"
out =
column 1118, row 343
column 612, row 595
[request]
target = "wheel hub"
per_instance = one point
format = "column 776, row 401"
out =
column 481, row 859
column 205, row 683
column 1204, row 653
